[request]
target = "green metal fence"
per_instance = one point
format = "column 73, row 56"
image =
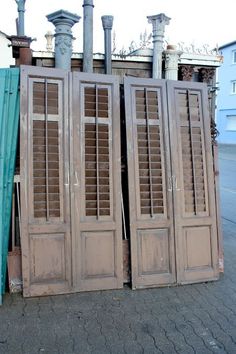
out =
column 9, row 125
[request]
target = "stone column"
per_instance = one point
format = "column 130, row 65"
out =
column 63, row 22
column 107, row 23
column 88, row 36
column 21, row 17
column 158, row 29
column 172, row 56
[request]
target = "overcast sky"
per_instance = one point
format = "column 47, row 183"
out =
column 199, row 22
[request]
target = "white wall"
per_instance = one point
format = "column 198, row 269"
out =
column 5, row 52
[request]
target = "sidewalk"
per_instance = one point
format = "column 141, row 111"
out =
column 199, row 318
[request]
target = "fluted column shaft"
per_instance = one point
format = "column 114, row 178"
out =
column 107, row 23
column 158, row 29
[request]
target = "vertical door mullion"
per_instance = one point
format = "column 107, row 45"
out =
column 149, row 153
column 192, row 153
column 97, row 154
column 46, row 149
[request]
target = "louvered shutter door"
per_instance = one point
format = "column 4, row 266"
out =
column 150, row 190
column 46, row 244
column 97, row 186
column 194, row 198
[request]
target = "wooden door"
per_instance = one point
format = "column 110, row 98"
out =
column 96, row 203
column 193, row 182
column 45, row 201
column 150, row 183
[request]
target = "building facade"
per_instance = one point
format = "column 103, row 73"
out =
column 226, row 101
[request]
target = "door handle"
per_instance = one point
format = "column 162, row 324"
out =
column 175, row 183
column 67, row 180
column 170, row 184
column 76, row 179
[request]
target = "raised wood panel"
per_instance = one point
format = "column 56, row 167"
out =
column 153, row 252
column 98, row 250
column 48, row 254
column 197, row 247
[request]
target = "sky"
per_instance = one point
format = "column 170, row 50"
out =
column 196, row 22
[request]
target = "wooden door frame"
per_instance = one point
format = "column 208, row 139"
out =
column 35, row 227
column 138, row 224
column 80, row 226
column 182, row 222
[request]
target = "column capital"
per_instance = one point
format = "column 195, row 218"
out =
column 206, row 74
column 186, row 72
column 172, row 58
column 20, row 5
column 62, row 17
column 63, row 22
column 88, row 3
column 158, row 23
column 172, row 55
column 158, row 29
column 107, row 22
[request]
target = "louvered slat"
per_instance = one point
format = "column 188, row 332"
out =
column 39, row 170
column 149, row 153
column 46, row 183
column 92, row 103
column 192, row 154
column 39, row 98
column 97, row 167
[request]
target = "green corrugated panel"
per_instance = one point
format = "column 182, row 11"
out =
column 9, row 124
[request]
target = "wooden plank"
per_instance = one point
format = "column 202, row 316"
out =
column 9, row 122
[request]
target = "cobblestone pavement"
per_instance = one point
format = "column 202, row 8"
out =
column 199, row 318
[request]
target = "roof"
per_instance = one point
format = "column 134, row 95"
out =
column 227, row 45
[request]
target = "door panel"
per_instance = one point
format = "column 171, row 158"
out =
column 97, row 232
column 52, row 265
column 194, row 203
column 194, row 256
column 150, row 197
column 98, row 250
column 46, row 241
column 154, row 252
